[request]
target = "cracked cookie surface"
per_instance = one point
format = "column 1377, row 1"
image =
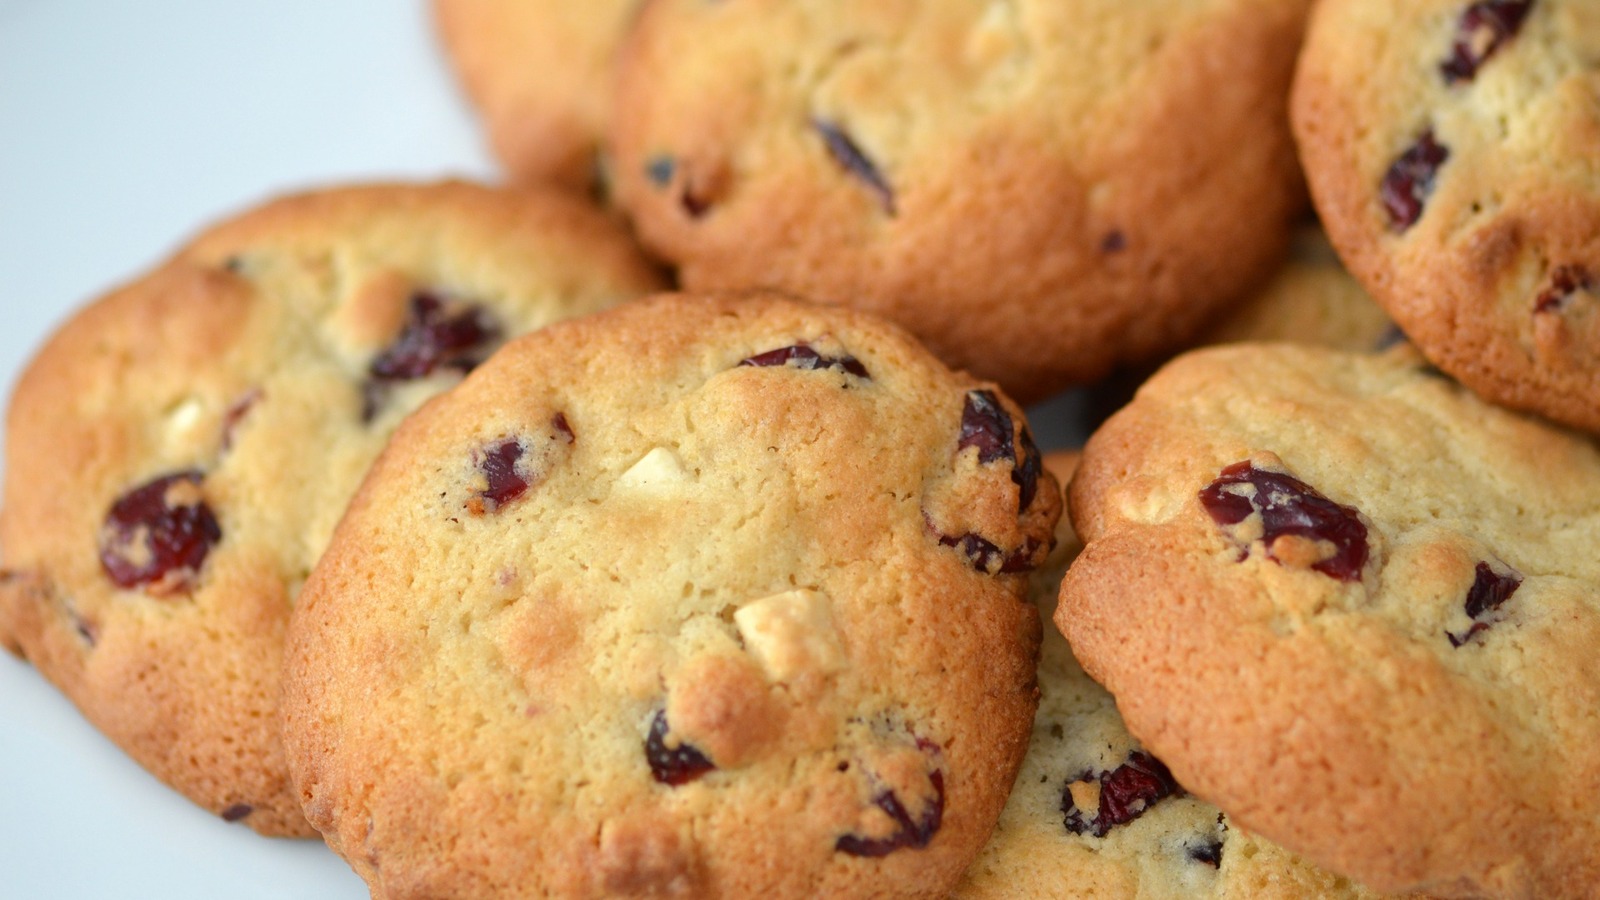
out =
column 1037, row 190
column 178, row 454
column 1350, row 603
column 717, row 645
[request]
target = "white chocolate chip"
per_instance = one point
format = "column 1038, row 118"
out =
column 182, row 420
column 790, row 633
column 656, row 471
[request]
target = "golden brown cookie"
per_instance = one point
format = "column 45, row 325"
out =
column 705, row 596
column 538, row 72
column 1094, row 814
column 1037, row 190
column 178, row 454
column 1354, row 605
column 1453, row 150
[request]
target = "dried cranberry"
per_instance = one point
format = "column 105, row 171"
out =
column 846, row 153
column 1126, row 793
column 1132, row 788
column 1565, row 281
column 802, row 356
column 1489, row 590
column 505, row 476
column 1289, row 506
column 695, row 205
column 499, row 467
column 1480, row 31
column 673, row 766
column 1113, row 242
column 1410, row 179
column 1030, row 463
column 237, row 811
column 158, row 534
column 986, row 425
column 909, row 832
column 437, row 336
column 984, row 556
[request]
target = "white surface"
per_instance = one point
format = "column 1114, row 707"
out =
column 124, row 128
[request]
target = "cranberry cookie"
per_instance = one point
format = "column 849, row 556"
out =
column 1094, row 814
column 1453, row 150
column 539, row 73
column 1355, row 606
column 1037, row 189
column 178, row 454
column 745, row 617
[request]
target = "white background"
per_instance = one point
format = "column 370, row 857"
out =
column 124, row 128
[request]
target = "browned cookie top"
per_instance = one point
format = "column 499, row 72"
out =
column 1453, row 149
column 1036, row 189
column 178, row 454
column 1356, row 607
column 702, row 597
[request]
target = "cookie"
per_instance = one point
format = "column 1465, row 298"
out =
column 1312, row 299
column 1037, row 190
column 1451, row 148
column 744, row 617
column 1354, row 605
column 178, row 454
column 1094, row 814
column 538, row 72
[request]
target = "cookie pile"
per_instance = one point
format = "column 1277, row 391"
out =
column 422, row 518
column 179, row 453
